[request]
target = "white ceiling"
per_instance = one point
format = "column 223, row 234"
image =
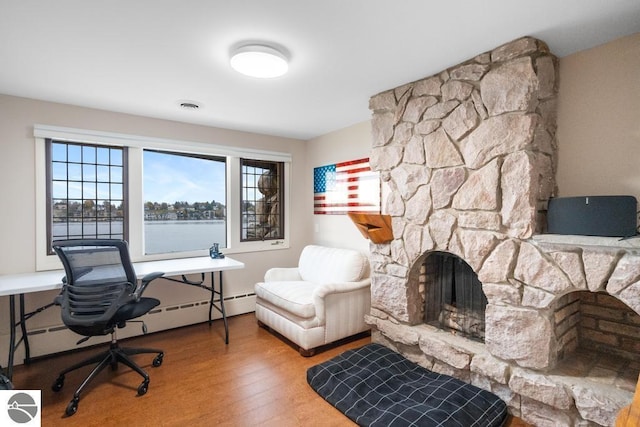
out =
column 145, row 56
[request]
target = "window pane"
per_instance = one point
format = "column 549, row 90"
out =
column 83, row 202
column 59, row 171
column 89, row 190
column 103, row 191
column 59, row 190
column 59, row 152
column 74, row 153
column 89, row 172
column 262, row 203
column 89, row 228
column 184, row 202
column 116, row 174
column 103, row 156
column 75, row 172
column 102, row 173
column 116, row 192
column 75, row 190
column 116, row 157
column 88, row 154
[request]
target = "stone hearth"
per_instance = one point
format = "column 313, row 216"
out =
column 468, row 159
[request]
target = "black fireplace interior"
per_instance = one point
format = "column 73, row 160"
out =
column 454, row 300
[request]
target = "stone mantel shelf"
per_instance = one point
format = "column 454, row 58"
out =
column 564, row 240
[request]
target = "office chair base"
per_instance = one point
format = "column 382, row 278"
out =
column 111, row 357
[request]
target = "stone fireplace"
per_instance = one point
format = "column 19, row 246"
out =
column 468, row 158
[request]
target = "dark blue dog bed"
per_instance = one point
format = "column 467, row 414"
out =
column 375, row 386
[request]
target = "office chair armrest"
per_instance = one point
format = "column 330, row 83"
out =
column 58, row 299
column 145, row 281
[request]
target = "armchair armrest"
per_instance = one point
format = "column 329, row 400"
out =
column 323, row 291
column 279, row 274
column 144, row 282
column 332, row 288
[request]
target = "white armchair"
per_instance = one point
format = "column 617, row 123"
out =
column 322, row 300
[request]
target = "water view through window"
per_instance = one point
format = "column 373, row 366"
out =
column 184, row 202
column 86, row 187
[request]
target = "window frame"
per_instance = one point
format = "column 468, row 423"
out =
column 135, row 145
column 279, row 167
column 49, row 183
column 201, row 156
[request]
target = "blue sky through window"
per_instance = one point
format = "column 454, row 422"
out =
column 174, row 178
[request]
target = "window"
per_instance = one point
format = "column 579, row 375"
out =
column 86, row 191
column 262, row 201
column 167, row 198
column 184, row 202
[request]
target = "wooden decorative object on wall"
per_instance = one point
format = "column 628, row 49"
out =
column 375, row 227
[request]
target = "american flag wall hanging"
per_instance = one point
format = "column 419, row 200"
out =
column 346, row 187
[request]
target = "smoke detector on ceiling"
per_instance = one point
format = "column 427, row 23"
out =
column 189, row 105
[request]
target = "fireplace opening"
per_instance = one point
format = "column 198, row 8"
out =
column 454, row 300
column 598, row 339
column 597, row 322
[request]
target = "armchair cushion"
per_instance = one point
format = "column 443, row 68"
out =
column 320, row 264
column 295, row 297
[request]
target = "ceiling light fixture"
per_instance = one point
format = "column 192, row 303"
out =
column 259, row 60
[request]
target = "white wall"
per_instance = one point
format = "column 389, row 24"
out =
column 599, row 120
column 351, row 143
column 17, row 215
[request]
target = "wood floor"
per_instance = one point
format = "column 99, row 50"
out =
column 257, row 379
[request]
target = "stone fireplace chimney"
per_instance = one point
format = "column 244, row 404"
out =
column 468, row 159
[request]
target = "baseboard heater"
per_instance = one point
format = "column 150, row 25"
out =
column 58, row 338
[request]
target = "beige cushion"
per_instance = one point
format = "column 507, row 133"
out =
column 321, row 264
column 293, row 296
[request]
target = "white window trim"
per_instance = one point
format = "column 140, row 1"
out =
column 136, row 144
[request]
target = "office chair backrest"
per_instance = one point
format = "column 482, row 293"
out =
column 99, row 280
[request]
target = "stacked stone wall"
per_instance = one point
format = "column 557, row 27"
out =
column 468, row 158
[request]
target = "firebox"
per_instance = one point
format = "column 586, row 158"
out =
column 454, row 300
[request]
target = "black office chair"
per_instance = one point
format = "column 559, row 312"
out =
column 99, row 295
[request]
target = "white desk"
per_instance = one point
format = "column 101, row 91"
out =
column 21, row 284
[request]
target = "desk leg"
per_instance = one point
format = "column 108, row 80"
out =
column 24, row 339
column 224, row 313
column 23, row 330
column 12, row 335
column 212, row 297
column 221, row 309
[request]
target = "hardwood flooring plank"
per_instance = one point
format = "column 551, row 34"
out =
column 258, row 379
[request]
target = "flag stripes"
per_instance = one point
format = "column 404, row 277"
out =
column 346, row 187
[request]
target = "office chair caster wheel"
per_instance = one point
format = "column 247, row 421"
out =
column 143, row 388
column 157, row 361
column 72, row 407
column 58, row 384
